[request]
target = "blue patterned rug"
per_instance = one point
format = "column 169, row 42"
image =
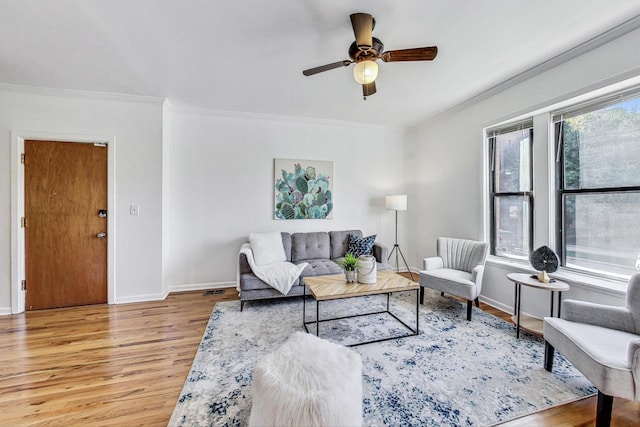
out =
column 455, row 373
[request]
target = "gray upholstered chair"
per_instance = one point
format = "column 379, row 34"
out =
column 602, row 342
column 457, row 269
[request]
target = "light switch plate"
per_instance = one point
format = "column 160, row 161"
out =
column 134, row 210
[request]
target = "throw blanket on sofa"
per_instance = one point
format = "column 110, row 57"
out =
column 278, row 275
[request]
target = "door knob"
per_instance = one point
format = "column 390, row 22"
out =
column 101, row 235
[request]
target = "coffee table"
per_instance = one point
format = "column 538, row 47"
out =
column 335, row 286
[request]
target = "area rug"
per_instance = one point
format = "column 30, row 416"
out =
column 454, row 373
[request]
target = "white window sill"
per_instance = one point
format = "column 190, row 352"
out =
column 608, row 285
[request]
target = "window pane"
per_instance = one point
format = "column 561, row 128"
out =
column 601, row 231
column 512, row 162
column 512, row 225
column 602, row 148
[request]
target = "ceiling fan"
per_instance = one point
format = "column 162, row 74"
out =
column 366, row 50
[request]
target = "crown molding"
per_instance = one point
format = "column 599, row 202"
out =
column 74, row 93
column 566, row 56
column 171, row 107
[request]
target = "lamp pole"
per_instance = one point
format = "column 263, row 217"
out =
column 396, row 249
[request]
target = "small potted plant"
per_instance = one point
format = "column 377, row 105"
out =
column 349, row 264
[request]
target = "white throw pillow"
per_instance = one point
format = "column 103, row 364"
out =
column 267, row 248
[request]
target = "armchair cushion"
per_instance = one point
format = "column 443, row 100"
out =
column 456, row 282
column 601, row 354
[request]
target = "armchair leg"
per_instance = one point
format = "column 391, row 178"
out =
column 477, row 301
column 421, row 294
column 548, row 356
column 603, row 413
column 469, row 309
column 241, row 305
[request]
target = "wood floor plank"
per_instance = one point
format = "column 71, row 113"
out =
column 100, row 365
column 125, row 365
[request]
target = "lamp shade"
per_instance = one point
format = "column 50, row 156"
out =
column 365, row 72
column 397, row 202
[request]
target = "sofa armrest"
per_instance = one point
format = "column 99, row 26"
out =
column 606, row 316
column 380, row 252
column 243, row 264
column 432, row 263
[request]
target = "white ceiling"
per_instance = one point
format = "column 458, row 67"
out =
column 249, row 55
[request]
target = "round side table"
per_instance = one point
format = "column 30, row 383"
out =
column 527, row 322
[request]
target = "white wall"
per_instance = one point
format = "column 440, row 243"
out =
column 203, row 180
column 445, row 174
column 221, row 185
column 136, row 124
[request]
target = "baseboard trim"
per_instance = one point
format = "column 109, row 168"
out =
column 5, row 311
column 496, row 304
column 503, row 307
column 201, row 286
column 141, row 298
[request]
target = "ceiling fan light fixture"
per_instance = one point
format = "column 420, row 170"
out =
column 365, row 72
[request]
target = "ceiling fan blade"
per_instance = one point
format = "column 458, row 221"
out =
column 362, row 24
column 327, row 67
column 415, row 54
column 368, row 89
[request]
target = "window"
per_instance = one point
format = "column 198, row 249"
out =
column 598, row 184
column 511, row 177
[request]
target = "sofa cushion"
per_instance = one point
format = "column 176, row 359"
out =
column 306, row 246
column 340, row 242
column 286, row 242
column 361, row 245
column 319, row 267
column 267, row 248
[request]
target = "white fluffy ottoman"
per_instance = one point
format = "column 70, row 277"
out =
column 308, row 382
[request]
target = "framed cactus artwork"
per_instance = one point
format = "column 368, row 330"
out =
column 303, row 189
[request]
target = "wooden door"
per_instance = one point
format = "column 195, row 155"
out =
column 65, row 188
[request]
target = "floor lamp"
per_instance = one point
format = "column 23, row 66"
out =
column 398, row 203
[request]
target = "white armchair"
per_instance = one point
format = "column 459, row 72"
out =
column 602, row 342
column 457, row 269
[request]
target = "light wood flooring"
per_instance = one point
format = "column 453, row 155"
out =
column 125, row 365
column 100, row 365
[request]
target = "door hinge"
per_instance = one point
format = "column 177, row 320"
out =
column 24, row 285
column 99, row 144
column 23, row 222
column 22, row 156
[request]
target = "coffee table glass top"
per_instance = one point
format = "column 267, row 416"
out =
column 335, row 286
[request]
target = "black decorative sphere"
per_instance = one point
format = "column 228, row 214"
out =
column 544, row 259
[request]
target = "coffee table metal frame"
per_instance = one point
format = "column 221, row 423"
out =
column 388, row 292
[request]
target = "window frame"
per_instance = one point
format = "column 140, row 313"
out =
column 560, row 191
column 492, row 135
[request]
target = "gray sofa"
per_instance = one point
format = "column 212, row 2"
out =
column 320, row 249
